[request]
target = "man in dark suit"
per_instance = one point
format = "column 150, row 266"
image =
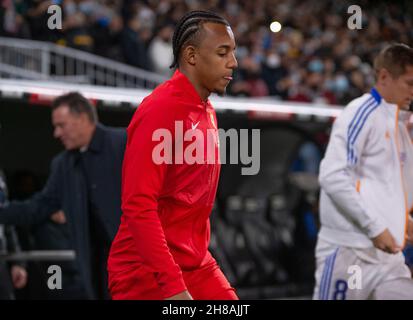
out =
column 83, row 189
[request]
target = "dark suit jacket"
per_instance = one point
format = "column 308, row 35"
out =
column 67, row 189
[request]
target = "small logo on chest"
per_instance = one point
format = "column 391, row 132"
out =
column 194, row 125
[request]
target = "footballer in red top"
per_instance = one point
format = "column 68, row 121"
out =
column 170, row 174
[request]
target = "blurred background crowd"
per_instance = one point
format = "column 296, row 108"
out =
column 315, row 58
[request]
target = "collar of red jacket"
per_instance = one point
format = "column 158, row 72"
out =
column 183, row 82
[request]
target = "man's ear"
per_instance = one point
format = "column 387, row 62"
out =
column 384, row 76
column 189, row 55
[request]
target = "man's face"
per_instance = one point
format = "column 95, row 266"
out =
column 402, row 88
column 70, row 128
column 215, row 59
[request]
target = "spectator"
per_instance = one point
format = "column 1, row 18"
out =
column 37, row 16
column 107, row 37
column 160, row 51
column 133, row 46
column 76, row 24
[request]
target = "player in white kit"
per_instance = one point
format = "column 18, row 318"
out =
column 366, row 180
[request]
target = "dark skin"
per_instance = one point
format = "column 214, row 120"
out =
column 210, row 64
column 209, row 67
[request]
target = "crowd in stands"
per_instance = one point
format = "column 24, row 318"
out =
column 315, row 57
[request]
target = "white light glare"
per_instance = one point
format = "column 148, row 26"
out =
column 275, row 26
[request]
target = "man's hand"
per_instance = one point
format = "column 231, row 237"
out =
column 58, row 217
column 18, row 276
column 410, row 231
column 184, row 295
column 385, row 242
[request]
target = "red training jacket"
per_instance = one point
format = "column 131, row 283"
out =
column 165, row 223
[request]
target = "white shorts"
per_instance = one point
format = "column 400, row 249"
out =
column 360, row 274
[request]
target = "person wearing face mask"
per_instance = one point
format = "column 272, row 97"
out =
column 160, row 50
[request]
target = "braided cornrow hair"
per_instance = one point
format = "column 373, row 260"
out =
column 188, row 28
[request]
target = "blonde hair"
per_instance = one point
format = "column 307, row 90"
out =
column 394, row 58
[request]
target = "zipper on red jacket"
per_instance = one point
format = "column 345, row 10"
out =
column 212, row 125
column 205, row 105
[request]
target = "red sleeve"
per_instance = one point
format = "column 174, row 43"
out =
column 142, row 181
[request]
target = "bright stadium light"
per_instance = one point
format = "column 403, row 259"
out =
column 275, row 26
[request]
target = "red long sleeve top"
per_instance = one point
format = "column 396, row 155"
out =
column 166, row 206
